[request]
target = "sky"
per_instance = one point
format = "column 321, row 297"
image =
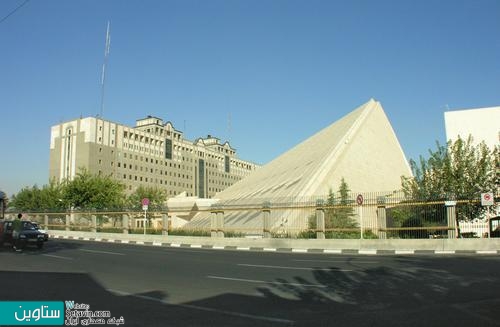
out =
column 262, row 74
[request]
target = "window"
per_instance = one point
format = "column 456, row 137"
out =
column 168, row 149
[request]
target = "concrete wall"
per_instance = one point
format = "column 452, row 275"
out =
column 380, row 245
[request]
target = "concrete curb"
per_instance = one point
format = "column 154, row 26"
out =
column 354, row 247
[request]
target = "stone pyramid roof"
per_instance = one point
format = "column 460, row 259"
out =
column 361, row 147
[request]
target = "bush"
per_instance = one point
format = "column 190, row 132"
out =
column 413, row 233
column 150, row 231
column 189, row 232
column 309, row 234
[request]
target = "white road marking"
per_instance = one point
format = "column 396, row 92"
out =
column 367, row 252
column 338, row 261
column 404, row 252
column 486, row 252
column 285, row 267
column 57, row 256
column 101, row 252
column 299, row 250
column 269, row 249
column 265, row 282
column 196, row 307
column 175, row 245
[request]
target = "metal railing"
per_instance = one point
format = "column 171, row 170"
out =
column 387, row 215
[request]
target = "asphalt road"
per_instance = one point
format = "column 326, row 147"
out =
column 161, row 286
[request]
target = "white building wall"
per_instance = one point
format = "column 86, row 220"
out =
column 483, row 124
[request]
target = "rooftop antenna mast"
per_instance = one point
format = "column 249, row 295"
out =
column 103, row 75
column 229, row 126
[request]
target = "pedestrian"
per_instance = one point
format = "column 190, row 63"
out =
column 17, row 226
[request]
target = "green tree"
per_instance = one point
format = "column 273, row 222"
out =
column 47, row 198
column 156, row 196
column 339, row 214
column 27, row 199
column 87, row 191
column 457, row 171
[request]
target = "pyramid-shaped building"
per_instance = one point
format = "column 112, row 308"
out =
column 361, row 147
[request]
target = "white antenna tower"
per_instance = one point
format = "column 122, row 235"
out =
column 103, row 75
column 229, row 127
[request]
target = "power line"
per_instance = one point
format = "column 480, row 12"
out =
column 13, row 11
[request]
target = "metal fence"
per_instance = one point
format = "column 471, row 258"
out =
column 337, row 216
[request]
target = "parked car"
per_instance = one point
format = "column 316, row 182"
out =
column 43, row 231
column 28, row 235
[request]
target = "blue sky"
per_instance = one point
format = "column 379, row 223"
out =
column 277, row 70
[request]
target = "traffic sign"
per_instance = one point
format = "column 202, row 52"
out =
column 359, row 199
column 145, row 202
column 487, row 199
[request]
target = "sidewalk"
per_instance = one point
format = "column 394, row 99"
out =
column 331, row 246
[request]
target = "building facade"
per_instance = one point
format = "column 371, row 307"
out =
column 483, row 124
column 151, row 154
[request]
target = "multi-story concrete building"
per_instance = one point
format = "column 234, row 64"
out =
column 152, row 154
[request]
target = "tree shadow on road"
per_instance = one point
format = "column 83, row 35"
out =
column 416, row 292
column 409, row 292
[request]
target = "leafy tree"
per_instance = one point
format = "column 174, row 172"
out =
column 87, row 191
column 48, row 198
column 457, row 171
column 156, row 196
column 27, row 199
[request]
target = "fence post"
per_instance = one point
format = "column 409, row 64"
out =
column 213, row 221
column 164, row 224
column 93, row 228
column 266, row 219
column 46, row 222
column 451, row 217
column 67, row 222
column 125, row 223
column 381, row 218
column 220, row 223
column 320, row 220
